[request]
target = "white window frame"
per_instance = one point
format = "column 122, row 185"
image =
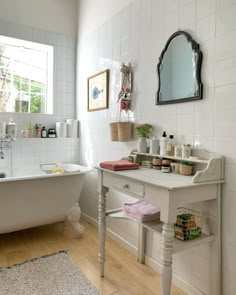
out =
column 50, row 54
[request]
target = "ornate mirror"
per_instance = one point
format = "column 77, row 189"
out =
column 179, row 70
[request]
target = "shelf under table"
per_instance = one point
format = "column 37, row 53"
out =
column 156, row 226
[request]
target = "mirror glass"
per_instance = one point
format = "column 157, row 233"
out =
column 179, row 70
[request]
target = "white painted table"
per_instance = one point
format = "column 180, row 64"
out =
column 169, row 191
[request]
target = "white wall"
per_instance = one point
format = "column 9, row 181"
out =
column 52, row 15
column 94, row 13
column 137, row 34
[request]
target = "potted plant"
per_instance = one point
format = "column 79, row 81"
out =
column 143, row 131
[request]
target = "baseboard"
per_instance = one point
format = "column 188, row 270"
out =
column 177, row 281
column 111, row 234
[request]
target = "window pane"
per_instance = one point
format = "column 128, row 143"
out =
column 37, row 103
column 25, row 69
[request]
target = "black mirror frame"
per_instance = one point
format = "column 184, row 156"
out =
column 198, row 52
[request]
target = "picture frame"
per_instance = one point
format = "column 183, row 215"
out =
column 98, row 91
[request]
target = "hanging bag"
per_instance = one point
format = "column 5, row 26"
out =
column 123, row 130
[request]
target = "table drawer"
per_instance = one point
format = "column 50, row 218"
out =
column 124, row 185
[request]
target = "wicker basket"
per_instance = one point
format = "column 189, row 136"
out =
column 125, row 131
column 114, row 131
column 185, row 169
column 188, row 224
column 121, row 131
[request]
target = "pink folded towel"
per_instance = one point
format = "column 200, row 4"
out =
column 142, row 211
column 119, row 165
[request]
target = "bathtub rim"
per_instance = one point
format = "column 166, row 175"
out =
column 86, row 170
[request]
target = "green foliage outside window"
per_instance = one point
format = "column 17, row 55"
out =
column 36, row 95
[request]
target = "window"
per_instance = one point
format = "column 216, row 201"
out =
column 26, row 76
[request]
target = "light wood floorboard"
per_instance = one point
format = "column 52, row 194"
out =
column 123, row 274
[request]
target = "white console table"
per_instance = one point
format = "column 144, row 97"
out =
column 169, row 191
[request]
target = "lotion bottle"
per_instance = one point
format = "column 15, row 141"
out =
column 163, row 144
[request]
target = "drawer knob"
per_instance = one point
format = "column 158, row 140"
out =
column 126, row 186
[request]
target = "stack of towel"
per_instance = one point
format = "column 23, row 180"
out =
column 119, row 165
column 142, row 211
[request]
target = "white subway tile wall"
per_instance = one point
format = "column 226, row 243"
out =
column 27, row 152
column 137, row 34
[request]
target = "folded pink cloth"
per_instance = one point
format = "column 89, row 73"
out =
column 142, row 211
column 119, row 165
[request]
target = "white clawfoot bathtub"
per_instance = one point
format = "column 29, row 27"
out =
column 36, row 198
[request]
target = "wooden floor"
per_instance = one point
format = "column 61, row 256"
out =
column 123, row 274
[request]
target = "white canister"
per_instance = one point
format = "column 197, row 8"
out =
column 72, row 128
column 61, row 129
column 11, row 128
column 154, row 146
column 178, row 151
column 2, row 129
column 186, row 151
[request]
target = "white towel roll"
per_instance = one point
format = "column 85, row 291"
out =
column 72, row 128
column 61, row 128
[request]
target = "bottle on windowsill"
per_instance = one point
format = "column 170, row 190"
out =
column 30, row 129
column 44, row 132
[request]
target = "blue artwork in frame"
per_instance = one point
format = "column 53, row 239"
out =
column 98, row 91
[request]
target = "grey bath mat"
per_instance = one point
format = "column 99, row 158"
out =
column 53, row 274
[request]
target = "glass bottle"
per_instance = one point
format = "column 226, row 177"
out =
column 170, row 147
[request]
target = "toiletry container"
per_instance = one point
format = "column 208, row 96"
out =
column 165, row 168
column 72, row 127
column 154, row 146
column 178, row 151
column 185, row 168
column 39, row 130
column 175, row 168
column 163, row 144
column 170, row 148
column 61, row 128
column 11, row 128
column 156, row 163
column 30, row 129
column 186, row 151
column 2, row 129
column 52, row 133
column 44, row 132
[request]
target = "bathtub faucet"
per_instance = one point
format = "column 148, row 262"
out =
column 5, row 144
column 2, row 156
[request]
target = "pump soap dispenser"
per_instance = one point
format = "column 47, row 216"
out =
column 163, row 144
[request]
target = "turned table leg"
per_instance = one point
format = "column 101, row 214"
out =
column 167, row 240
column 102, row 229
column 141, row 243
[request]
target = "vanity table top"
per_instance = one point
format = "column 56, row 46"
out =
column 154, row 177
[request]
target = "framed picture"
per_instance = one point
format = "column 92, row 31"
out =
column 98, row 90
